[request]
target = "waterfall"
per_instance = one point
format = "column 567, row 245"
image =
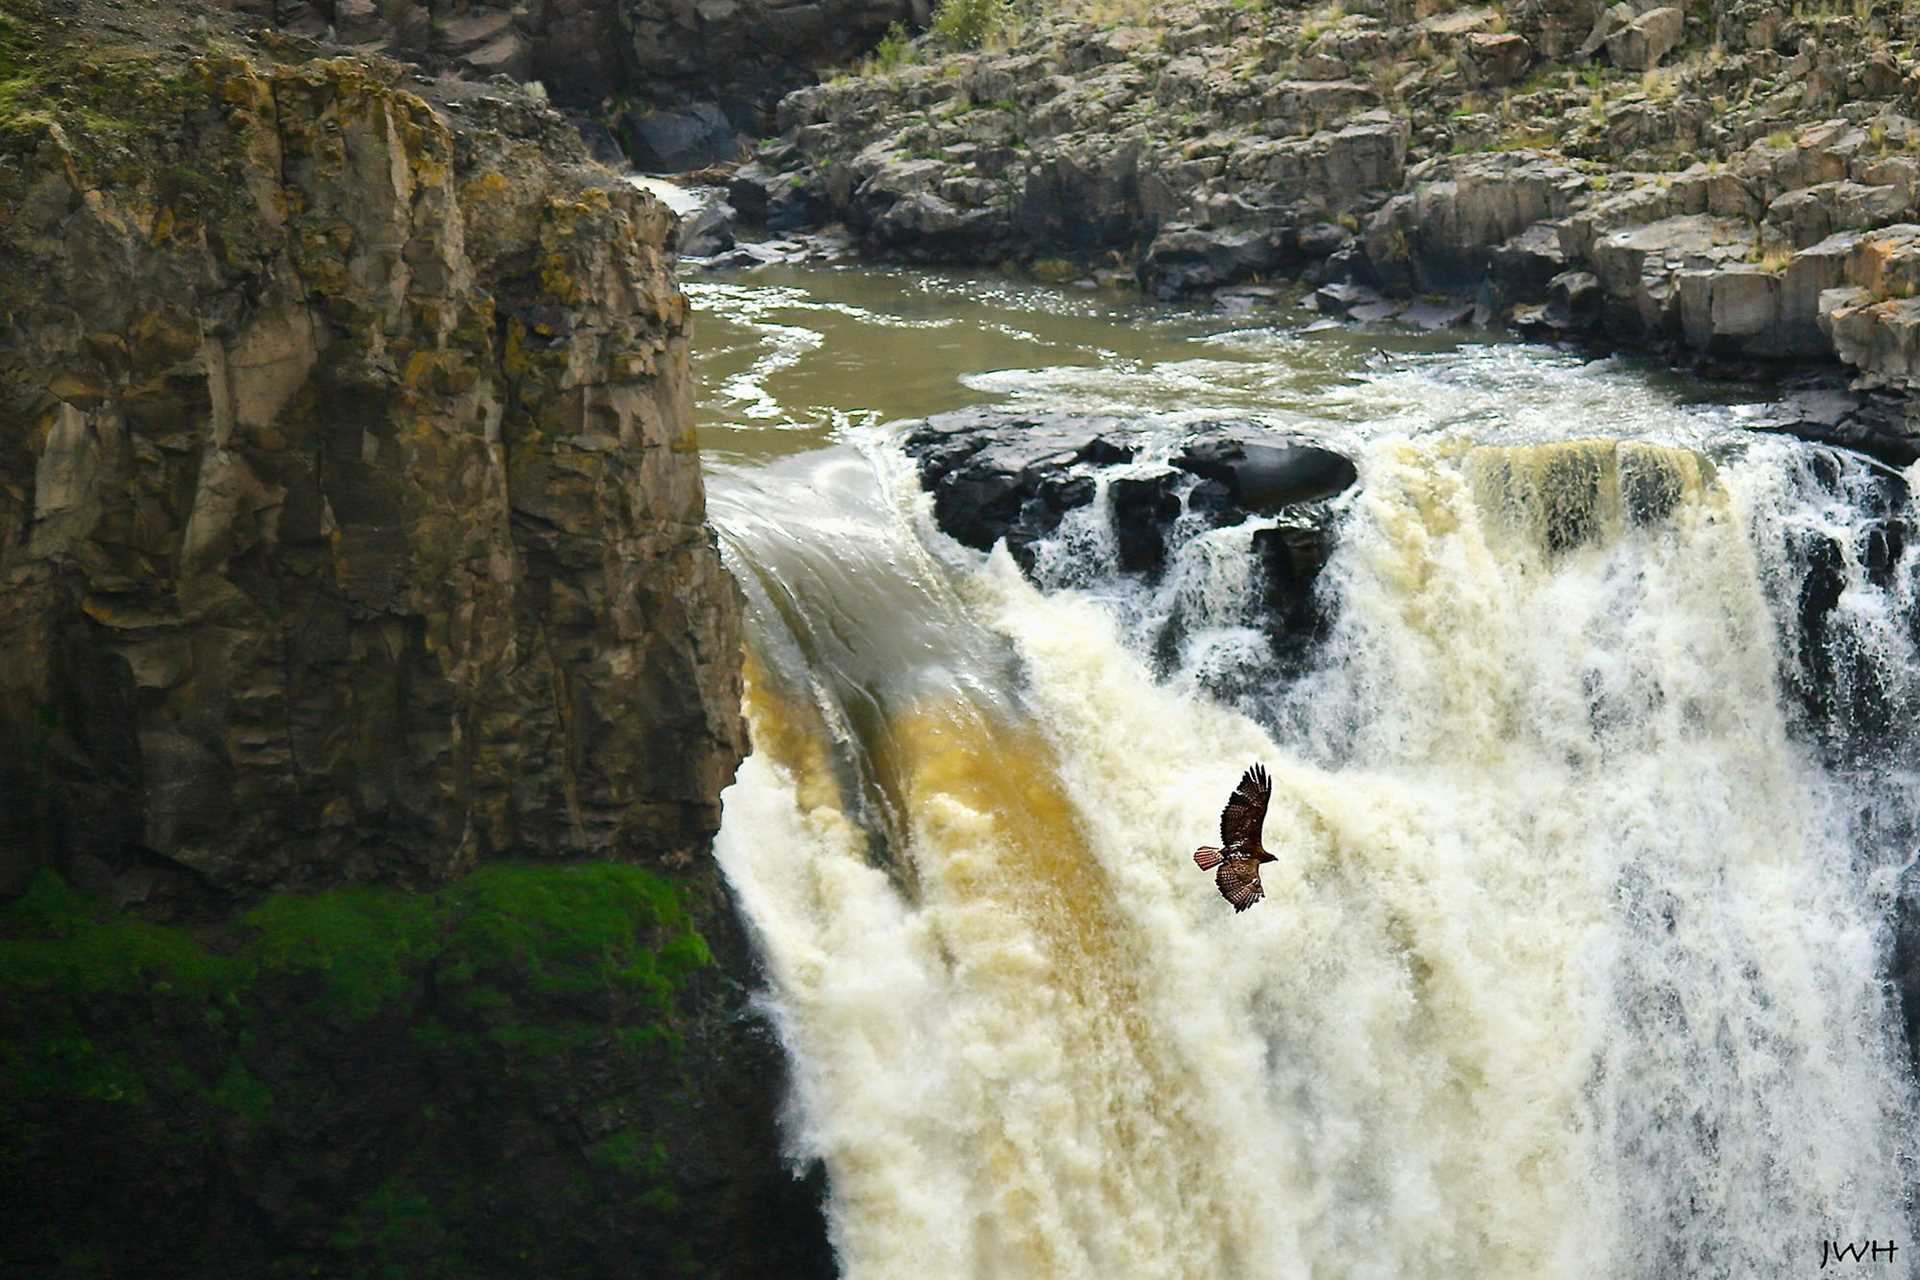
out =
column 1589, row 807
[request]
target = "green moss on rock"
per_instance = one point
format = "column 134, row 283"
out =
column 394, row 1083
column 100, row 94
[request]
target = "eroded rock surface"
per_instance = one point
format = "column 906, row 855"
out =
column 733, row 58
column 998, row 475
column 353, row 526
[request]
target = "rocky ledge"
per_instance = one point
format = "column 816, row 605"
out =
column 1734, row 181
column 997, row 476
column 368, row 680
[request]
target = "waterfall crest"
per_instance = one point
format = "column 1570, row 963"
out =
column 1569, row 963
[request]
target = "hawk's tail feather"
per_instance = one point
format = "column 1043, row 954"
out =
column 1206, row 857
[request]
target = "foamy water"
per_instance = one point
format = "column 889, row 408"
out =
column 1570, row 963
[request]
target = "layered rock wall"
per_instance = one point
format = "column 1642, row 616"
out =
column 351, row 525
column 737, row 55
column 368, row 680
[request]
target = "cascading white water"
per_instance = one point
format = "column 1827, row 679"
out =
column 1570, row 963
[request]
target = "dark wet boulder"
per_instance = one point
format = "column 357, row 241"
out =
column 792, row 206
column 1521, row 269
column 1214, row 500
column 1870, row 423
column 765, row 195
column 922, row 224
column 1262, row 475
column 1575, row 299
column 1292, row 552
column 1343, row 298
column 1903, row 968
column 707, row 231
column 678, row 141
column 997, row 475
column 751, row 191
column 1322, row 240
column 1186, row 259
column 1143, row 507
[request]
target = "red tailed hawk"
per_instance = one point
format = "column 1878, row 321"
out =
column 1239, row 862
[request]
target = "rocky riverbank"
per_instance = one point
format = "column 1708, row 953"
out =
column 1731, row 182
column 368, row 679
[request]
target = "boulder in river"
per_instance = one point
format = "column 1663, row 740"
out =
column 679, row 141
column 707, row 231
column 996, row 474
column 1186, row 259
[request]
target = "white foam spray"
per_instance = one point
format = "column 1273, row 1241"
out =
column 1568, row 967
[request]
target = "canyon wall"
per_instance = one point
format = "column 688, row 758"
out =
column 368, row 679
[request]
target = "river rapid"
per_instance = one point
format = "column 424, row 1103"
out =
column 1573, row 960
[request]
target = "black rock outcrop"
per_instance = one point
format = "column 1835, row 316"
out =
column 998, row 475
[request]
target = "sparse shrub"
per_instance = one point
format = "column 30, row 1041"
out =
column 895, row 49
column 968, row 23
column 1318, row 23
column 1386, row 77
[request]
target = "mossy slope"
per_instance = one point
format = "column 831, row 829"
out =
column 488, row 1080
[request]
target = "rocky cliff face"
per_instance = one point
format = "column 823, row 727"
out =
column 735, row 57
column 574, row 44
column 368, row 679
column 352, row 524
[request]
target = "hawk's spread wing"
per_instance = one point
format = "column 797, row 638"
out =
column 1239, row 881
column 1246, row 810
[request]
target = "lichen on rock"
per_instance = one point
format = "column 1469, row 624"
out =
column 350, row 530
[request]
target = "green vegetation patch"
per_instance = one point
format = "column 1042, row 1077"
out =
column 532, row 960
column 100, row 94
column 366, row 945
column 969, row 23
column 565, row 928
column 464, row 1016
column 53, row 936
column 576, row 928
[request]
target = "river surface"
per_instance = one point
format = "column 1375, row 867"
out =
column 1571, row 964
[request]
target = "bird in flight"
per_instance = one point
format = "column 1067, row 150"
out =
column 1239, row 861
